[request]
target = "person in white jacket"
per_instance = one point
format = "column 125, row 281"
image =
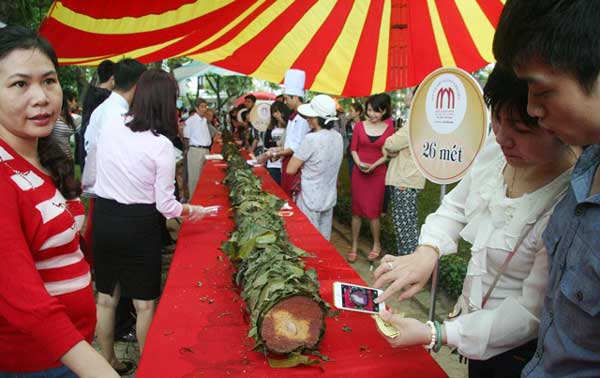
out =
column 501, row 207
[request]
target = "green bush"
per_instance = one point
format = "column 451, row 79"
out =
column 452, row 274
column 452, row 268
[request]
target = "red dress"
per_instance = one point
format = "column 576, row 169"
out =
column 368, row 188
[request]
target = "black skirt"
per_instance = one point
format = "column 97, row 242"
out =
column 127, row 249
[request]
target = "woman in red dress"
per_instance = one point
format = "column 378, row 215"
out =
column 368, row 175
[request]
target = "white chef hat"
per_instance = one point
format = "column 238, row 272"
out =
column 293, row 83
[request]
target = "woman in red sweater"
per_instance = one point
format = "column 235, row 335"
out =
column 47, row 311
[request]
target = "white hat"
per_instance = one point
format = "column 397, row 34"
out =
column 320, row 106
column 293, row 83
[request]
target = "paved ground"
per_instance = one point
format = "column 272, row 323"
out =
column 416, row 307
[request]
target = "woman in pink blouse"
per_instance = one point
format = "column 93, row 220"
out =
column 135, row 181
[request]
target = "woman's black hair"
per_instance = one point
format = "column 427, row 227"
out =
column 50, row 154
column 65, row 112
column 281, row 107
column 504, row 90
column 380, row 102
column 325, row 126
column 359, row 108
column 154, row 105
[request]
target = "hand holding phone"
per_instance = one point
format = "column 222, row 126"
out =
column 353, row 297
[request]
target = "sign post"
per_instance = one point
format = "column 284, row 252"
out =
column 447, row 128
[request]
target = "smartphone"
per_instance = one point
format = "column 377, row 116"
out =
column 353, row 297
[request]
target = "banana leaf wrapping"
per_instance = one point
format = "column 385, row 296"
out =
column 282, row 298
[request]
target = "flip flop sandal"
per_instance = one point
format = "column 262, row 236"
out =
column 127, row 369
column 352, row 256
column 373, row 255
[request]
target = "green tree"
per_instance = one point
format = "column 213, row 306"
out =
column 28, row 13
column 177, row 62
column 226, row 88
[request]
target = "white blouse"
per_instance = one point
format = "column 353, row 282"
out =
column 137, row 167
column 479, row 211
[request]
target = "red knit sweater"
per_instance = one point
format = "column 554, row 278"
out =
column 46, row 299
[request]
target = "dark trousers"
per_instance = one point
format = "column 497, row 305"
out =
column 350, row 164
column 124, row 318
column 506, row 365
column 275, row 174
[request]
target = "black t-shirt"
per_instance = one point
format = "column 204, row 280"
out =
column 94, row 97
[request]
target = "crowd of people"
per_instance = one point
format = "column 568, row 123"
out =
column 529, row 206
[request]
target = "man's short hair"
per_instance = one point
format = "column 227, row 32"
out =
column 250, row 97
column 105, row 70
column 561, row 33
column 300, row 98
column 200, row 101
column 127, row 72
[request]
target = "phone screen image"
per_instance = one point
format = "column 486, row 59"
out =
column 359, row 298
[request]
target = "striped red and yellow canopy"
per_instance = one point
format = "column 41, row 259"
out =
column 346, row 47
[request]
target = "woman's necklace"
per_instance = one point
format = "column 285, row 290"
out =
column 511, row 187
column 64, row 207
column 24, row 175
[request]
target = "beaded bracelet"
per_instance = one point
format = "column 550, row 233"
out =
column 433, row 335
column 438, row 331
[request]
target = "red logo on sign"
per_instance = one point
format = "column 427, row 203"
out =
column 442, row 93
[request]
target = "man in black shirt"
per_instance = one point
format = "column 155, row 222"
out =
column 94, row 97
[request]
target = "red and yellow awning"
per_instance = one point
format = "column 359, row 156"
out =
column 346, row 47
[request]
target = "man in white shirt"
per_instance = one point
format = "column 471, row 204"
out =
column 297, row 127
column 197, row 140
column 110, row 112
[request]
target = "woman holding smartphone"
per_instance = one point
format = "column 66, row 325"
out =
column 501, row 207
column 368, row 176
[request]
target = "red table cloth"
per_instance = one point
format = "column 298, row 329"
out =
column 200, row 327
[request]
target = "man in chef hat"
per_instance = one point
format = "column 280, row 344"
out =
column 297, row 128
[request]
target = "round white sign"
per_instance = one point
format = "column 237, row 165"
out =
column 260, row 116
column 446, row 103
column 447, row 124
